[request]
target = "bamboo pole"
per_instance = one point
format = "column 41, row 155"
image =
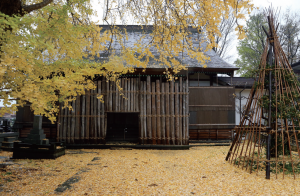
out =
column 172, row 128
column 149, row 131
column 99, row 113
column 158, row 118
column 73, row 122
column 167, row 113
column 83, row 119
column 184, row 113
column 180, row 111
column 177, row 136
column 163, row 118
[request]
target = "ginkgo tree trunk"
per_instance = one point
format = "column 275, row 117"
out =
column 48, row 47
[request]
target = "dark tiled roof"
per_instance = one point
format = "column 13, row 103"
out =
column 135, row 32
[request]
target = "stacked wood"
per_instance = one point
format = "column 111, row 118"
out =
column 162, row 108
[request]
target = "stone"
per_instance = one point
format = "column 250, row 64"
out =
column 36, row 135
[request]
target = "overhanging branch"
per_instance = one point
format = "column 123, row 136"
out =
column 30, row 8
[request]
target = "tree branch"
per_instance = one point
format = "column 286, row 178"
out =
column 30, row 8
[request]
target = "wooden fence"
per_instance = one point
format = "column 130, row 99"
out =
column 162, row 107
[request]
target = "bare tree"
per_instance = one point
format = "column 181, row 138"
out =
column 289, row 33
column 225, row 40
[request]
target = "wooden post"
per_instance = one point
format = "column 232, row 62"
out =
column 180, row 111
column 163, row 118
column 183, row 114
column 107, row 97
column 95, row 114
column 99, row 113
column 83, row 119
column 153, row 114
column 88, row 114
column 172, row 128
column 142, row 114
column 103, row 130
column 110, row 101
column 158, row 124
column 129, row 94
column 133, row 94
column 187, row 111
column 121, row 97
column 117, row 97
column 61, row 123
column 73, row 122
column 126, row 95
column 167, row 113
column 77, row 124
column 69, row 125
column 92, row 118
column 177, row 136
column 137, row 94
column 145, row 112
column 149, row 109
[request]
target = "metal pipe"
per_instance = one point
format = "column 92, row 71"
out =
column 270, row 56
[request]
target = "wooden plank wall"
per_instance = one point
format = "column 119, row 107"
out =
column 162, row 107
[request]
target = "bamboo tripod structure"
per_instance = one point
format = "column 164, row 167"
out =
column 269, row 131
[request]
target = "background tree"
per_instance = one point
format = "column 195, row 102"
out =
column 290, row 35
column 48, row 53
column 251, row 48
column 225, row 40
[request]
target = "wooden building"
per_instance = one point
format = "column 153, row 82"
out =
column 153, row 110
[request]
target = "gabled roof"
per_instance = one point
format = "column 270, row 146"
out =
column 135, row 32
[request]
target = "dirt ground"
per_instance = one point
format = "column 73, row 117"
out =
column 198, row 171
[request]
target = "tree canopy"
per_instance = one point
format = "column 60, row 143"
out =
column 251, row 48
column 48, row 47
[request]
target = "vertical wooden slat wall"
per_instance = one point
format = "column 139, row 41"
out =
column 162, row 108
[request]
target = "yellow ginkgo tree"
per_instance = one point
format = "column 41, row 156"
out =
column 48, row 48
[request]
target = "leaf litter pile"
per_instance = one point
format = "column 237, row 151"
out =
column 198, row 171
